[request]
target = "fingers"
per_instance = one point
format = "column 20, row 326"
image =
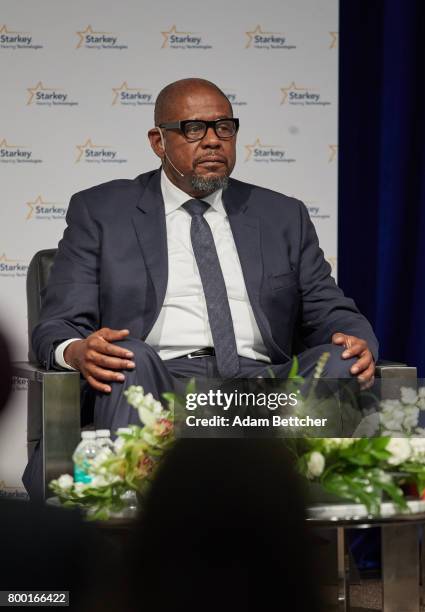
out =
column 339, row 338
column 364, row 367
column 362, row 363
column 111, row 363
column 353, row 346
column 112, row 334
column 101, row 343
column 102, row 358
column 367, row 374
column 98, row 386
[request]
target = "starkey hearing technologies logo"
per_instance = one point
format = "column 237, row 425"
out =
column 259, row 152
column 41, row 210
column 12, row 267
column 16, row 154
column 315, row 211
column 261, row 39
column 176, row 39
column 12, row 39
column 131, row 96
column 94, row 39
column 39, row 95
column 333, row 153
column 98, row 154
column 234, row 98
column 293, row 95
column 334, row 40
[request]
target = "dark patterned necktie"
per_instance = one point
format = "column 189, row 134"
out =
column 219, row 314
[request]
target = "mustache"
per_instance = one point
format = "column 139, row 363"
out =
column 211, row 157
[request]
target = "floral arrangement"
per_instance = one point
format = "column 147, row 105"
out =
column 386, row 453
column 129, row 467
column 362, row 469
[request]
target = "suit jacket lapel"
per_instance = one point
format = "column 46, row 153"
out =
column 149, row 223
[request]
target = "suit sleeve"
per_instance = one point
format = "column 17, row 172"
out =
column 324, row 307
column 70, row 302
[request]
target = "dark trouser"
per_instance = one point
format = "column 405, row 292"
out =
column 156, row 376
column 112, row 411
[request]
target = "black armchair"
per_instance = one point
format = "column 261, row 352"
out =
column 53, row 415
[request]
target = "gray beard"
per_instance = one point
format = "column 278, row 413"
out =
column 208, row 185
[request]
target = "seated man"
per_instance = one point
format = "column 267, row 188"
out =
column 185, row 272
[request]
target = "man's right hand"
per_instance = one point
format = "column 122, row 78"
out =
column 98, row 359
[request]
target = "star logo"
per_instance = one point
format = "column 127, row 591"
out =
column 172, row 30
column 39, row 87
column 332, row 261
column 37, row 202
column 4, row 30
column 87, row 145
column 291, row 87
column 258, row 32
column 4, row 145
column 5, row 259
column 334, row 41
column 123, row 87
column 257, row 145
column 333, row 152
column 83, row 34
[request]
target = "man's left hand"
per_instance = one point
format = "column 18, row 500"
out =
column 364, row 368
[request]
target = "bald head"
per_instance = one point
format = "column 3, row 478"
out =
column 172, row 93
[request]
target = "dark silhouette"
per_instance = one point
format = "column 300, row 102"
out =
column 224, row 528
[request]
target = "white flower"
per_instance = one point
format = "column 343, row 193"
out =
column 421, row 392
column 408, row 395
column 98, row 481
column 65, row 481
column 80, row 487
column 392, row 415
column 315, row 465
column 118, row 444
column 331, row 444
column 101, row 457
column 411, row 415
column 418, row 449
column 400, row 450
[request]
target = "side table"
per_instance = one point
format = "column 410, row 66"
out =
column 401, row 555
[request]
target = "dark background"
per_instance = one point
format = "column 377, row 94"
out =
column 382, row 170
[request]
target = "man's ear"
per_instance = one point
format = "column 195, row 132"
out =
column 156, row 141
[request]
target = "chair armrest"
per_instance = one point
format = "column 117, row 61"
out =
column 395, row 369
column 54, row 416
column 36, row 373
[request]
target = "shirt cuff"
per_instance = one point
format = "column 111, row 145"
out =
column 59, row 351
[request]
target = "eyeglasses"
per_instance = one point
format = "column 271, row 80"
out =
column 196, row 130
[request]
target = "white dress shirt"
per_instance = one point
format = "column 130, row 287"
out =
column 182, row 325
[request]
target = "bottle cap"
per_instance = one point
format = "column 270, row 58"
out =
column 103, row 433
column 88, row 435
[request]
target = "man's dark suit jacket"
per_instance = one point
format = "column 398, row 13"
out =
column 111, row 269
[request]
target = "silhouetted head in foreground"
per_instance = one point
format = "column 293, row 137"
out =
column 224, row 528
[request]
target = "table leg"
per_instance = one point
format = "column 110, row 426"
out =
column 400, row 568
column 343, row 571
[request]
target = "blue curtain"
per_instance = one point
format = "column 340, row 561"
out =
column 382, row 170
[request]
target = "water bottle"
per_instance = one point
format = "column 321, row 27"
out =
column 84, row 455
column 103, row 439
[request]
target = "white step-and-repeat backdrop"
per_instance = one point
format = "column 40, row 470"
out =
column 78, row 86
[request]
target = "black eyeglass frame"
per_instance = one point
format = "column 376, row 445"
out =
column 180, row 125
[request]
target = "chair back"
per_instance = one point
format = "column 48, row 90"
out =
column 37, row 278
